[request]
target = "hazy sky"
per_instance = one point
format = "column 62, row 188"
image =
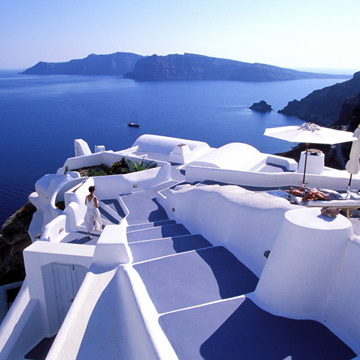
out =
column 287, row 33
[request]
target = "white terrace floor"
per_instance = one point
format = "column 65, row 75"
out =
column 202, row 294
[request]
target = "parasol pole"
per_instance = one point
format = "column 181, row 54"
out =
column 306, row 155
column 348, row 188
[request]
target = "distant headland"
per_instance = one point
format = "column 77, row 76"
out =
column 118, row 63
column 173, row 67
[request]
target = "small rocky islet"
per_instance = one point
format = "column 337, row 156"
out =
column 261, row 106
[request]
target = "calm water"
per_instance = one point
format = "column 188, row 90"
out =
column 41, row 116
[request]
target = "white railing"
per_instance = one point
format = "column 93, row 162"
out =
column 245, row 178
column 108, row 187
column 72, row 216
column 107, row 158
column 336, row 180
column 56, row 229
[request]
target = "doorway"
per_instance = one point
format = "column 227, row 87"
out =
column 67, row 282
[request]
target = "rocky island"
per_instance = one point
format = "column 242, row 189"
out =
column 261, row 106
column 199, row 67
column 172, row 67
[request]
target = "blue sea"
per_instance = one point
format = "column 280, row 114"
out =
column 40, row 117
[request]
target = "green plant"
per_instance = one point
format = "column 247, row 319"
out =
column 97, row 172
column 119, row 167
column 105, row 168
column 139, row 166
column 100, row 170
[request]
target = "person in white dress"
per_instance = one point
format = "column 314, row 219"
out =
column 92, row 215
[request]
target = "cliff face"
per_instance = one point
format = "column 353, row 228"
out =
column 199, row 67
column 324, row 106
column 112, row 64
column 350, row 113
column 349, row 117
column 14, row 239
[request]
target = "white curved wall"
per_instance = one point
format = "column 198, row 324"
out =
column 71, row 217
column 337, row 180
column 165, row 145
column 303, row 263
column 55, row 228
column 117, row 327
column 49, row 189
column 342, row 311
column 312, row 271
column 234, row 156
column 239, row 177
column 245, row 222
column 109, row 187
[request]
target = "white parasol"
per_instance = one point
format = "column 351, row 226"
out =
column 352, row 166
column 310, row 133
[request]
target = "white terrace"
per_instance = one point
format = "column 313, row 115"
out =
column 189, row 264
